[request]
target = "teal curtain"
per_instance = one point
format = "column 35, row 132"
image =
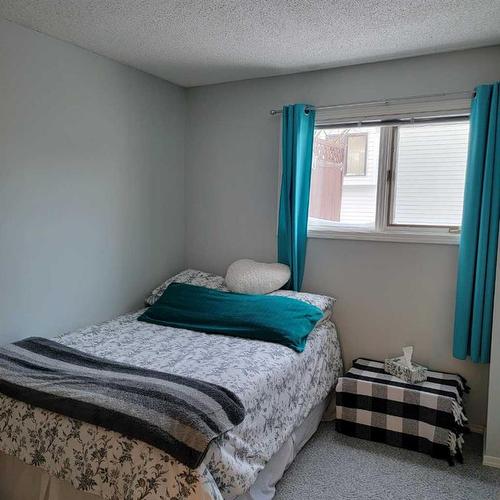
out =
column 297, row 145
column 479, row 235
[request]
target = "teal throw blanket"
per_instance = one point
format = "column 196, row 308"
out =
column 259, row 317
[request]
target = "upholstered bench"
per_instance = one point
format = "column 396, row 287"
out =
column 427, row 417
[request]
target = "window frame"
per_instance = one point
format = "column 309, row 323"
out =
column 364, row 135
column 384, row 229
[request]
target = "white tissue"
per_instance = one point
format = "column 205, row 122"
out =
column 406, row 358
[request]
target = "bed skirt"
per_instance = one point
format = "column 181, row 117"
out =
column 264, row 486
column 19, row 481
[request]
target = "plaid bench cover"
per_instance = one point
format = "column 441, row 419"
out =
column 426, row 417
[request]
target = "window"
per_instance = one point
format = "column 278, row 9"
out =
column 400, row 181
column 356, row 154
column 344, row 175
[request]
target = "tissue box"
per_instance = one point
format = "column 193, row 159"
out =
column 395, row 367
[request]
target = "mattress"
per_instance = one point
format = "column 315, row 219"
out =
column 277, row 386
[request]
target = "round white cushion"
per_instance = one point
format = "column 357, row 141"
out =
column 248, row 276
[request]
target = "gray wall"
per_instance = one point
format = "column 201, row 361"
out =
column 492, row 444
column 91, row 185
column 389, row 294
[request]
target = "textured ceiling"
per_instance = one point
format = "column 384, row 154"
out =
column 197, row 42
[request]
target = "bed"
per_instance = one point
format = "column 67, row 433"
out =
column 284, row 394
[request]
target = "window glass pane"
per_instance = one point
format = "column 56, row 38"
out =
column 430, row 174
column 337, row 196
column 356, row 154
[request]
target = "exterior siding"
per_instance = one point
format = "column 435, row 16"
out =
column 359, row 195
column 430, row 174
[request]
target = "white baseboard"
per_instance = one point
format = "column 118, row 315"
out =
column 476, row 428
column 491, row 461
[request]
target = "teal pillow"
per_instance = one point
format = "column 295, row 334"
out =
column 260, row 317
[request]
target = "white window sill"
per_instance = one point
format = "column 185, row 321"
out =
column 393, row 236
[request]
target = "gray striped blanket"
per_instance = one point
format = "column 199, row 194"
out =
column 178, row 415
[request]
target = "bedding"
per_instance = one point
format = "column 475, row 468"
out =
column 213, row 281
column 17, row 479
column 277, row 386
column 324, row 302
column 282, row 320
column 190, row 277
column 179, row 415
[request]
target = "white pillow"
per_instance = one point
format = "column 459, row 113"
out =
column 248, row 276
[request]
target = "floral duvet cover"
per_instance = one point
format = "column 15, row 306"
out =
column 277, row 386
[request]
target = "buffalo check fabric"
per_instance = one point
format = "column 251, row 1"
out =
column 426, row 417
